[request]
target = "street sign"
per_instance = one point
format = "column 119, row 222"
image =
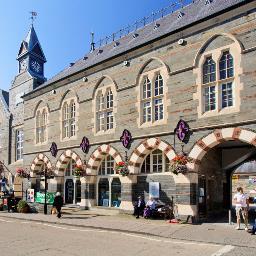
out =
column 49, row 197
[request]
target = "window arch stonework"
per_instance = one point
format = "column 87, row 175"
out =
column 69, row 119
column 221, row 95
column 104, row 109
column 152, row 100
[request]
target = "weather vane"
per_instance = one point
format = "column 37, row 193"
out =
column 33, row 17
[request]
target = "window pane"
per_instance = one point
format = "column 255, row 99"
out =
column 109, row 99
column 158, row 85
column 146, row 89
column 110, row 120
column 146, row 112
column 209, row 70
column 227, row 95
column 226, row 66
column 19, row 144
column 159, row 109
column 209, row 98
column 145, row 168
column 157, row 156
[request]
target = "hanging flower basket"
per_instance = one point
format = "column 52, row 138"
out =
column 178, row 164
column 22, row 173
column 78, row 172
column 122, row 169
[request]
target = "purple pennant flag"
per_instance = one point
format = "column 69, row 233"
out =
column 126, row 138
column 182, row 129
column 85, row 144
column 54, row 149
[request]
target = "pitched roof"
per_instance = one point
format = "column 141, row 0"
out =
column 4, row 97
column 194, row 12
column 31, row 44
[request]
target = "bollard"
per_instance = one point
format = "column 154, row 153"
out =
column 229, row 217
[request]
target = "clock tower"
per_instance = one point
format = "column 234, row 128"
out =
column 31, row 58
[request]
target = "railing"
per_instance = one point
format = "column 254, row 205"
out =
column 140, row 23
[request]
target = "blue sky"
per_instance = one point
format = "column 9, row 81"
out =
column 63, row 28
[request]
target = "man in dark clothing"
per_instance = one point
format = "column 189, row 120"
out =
column 138, row 209
column 58, row 203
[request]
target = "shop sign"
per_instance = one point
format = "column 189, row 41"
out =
column 49, row 197
column 235, row 177
column 31, row 195
column 154, row 189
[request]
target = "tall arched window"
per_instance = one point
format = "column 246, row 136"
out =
column 107, row 166
column 69, row 113
column 104, row 110
column 153, row 103
column 218, row 90
column 41, row 125
column 156, row 161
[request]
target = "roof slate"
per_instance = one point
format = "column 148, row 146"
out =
column 193, row 12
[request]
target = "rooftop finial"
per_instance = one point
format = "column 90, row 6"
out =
column 33, row 17
column 92, row 42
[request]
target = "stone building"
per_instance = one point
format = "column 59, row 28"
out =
column 196, row 64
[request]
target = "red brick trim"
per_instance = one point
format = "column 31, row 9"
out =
column 202, row 145
column 236, row 133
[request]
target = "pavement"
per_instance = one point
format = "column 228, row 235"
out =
column 111, row 220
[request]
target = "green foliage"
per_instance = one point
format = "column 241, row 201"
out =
column 22, row 205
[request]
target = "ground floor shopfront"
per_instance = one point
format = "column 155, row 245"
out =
column 204, row 191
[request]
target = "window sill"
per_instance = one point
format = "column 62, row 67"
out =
column 41, row 144
column 156, row 123
column 68, row 139
column 110, row 131
column 223, row 111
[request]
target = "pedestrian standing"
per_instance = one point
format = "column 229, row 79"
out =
column 140, row 207
column 242, row 206
column 58, row 203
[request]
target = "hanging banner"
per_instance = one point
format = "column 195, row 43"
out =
column 154, row 189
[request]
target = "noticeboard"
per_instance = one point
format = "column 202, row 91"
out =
column 154, row 189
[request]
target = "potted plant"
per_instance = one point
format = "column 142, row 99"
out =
column 178, row 164
column 22, row 173
column 78, row 172
column 23, row 207
column 122, row 169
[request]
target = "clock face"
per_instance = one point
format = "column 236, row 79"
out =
column 35, row 66
column 23, row 65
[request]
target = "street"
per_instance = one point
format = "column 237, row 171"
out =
column 35, row 238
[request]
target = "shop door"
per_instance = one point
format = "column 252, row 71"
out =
column 69, row 191
column 115, row 192
column 103, row 188
column 202, row 198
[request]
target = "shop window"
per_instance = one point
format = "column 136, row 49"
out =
column 155, row 162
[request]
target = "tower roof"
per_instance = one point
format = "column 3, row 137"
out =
column 31, row 45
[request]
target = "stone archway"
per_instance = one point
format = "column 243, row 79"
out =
column 213, row 158
column 202, row 146
column 98, row 154
column 144, row 148
column 37, row 162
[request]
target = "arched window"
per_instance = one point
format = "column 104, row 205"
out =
column 69, row 114
column 107, row 166
column 41, row 126
column 218, row 92
column 38, row 127
column 156, row 161
column 69, row 172
column 209, row 70
column 226, row 66
column 104, row 111
column 44, row 123
column 153, row 104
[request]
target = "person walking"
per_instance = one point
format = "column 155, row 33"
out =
column 58, row 203
column 242, row 206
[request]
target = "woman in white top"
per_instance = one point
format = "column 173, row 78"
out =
column 242, row 206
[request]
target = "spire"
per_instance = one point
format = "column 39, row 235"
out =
column 31, row 45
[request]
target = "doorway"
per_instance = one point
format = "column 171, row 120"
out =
column 69, row 191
